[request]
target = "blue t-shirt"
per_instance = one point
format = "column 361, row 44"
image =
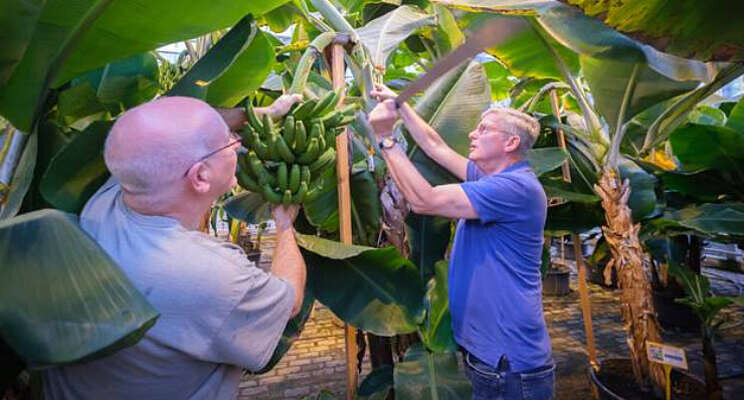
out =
column 494, row 275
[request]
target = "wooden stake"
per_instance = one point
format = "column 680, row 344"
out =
column 586, row 310
column 565, row 168
column 344, row 214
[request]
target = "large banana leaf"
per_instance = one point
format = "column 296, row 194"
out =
column 382, row 35
column 62, row 299
column 546, row 159
column 376, row 290
column 78, row 170
column 75, row 36
column 237, row 65
column 608, row 80
column 573, row 217
column 436, row 331
column 115, row 87
column 589, row 37
column 249, row 207
column 716, row 220
column 291, row 332
column 642, row 200
column 377, row 385
column 433, row 376
column 22, row 177
column 428, row 237
column 525, row 53
column 675, row 114
column 688, row 28
column 18, row 20
column 322, row 212
column 699, row 147
column 452, row 106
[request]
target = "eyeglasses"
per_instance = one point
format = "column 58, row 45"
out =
column 234, row 138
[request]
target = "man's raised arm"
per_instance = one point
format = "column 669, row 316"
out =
column 425, row 136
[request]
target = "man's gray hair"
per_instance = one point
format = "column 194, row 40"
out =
column 517, row 123
column 150, row 167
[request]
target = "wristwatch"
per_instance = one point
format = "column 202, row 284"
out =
column 387, row 143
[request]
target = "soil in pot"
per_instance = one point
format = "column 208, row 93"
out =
column 615, row 381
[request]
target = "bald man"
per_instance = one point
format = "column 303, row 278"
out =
column 170, row 159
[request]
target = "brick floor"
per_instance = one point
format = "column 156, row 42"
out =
column 316, row 361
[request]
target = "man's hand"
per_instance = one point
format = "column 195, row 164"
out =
column 282, row 105
column 284, row 217
column 382, row 92
column 383, row 117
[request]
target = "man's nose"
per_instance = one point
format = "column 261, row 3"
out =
column 471, row 135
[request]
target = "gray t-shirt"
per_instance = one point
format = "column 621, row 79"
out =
column 218, row 312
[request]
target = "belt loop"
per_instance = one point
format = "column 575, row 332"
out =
column 503, row 364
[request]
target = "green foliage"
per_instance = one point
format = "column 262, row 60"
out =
column 67, row 44
column 376, row 290
column 452, row 106
column 291, row 332
column 425, row 375
column 377, row 384
column 235, row 66
column 436, row 331
column 77, row 170
column 687, row 28
column 22, row 177
column 382, row 35
column 95, row 309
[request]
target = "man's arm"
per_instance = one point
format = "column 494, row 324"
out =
column 287, row 262
column 235, row 117
column 444, row 200
column 425, row 136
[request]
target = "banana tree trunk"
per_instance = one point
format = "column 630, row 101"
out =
column 629, row 260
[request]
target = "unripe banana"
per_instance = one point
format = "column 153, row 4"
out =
column 304, row 110
column 299, row 196
column 264, row 177
column 268, row 125
column 252, row 117
column 325, row 160
column 294, row 178
column 300, row 143
column 271, row 196
column 311, row 153
column 289, row 129
column 282, row 176
column 287, row 198
column 284, row 152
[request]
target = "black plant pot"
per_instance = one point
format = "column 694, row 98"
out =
column 555, row 282
column 615, row 381
column 595, row 274
column 672, row 315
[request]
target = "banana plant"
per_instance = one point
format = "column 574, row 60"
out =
column 707, row 307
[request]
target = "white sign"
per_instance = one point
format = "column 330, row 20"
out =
column 665, row 354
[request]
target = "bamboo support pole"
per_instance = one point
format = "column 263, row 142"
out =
column 586, row 310
column 344, row 214
column 565, row 168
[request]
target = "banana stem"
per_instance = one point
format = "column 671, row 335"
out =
column 305, row 65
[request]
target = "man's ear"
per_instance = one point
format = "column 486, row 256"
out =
column 198, row 178
column 512, row 144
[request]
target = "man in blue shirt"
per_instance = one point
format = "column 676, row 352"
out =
column 494, row 273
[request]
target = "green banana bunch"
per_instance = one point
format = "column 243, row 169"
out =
column 287, row 157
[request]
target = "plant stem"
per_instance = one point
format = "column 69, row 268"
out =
column 620, row 125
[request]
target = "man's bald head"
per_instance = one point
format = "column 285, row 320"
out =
column 155, row 143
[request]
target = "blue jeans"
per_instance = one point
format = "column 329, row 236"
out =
column 500, row 383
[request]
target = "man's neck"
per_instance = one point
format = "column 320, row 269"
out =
column 497, row 165
column 188, row 213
